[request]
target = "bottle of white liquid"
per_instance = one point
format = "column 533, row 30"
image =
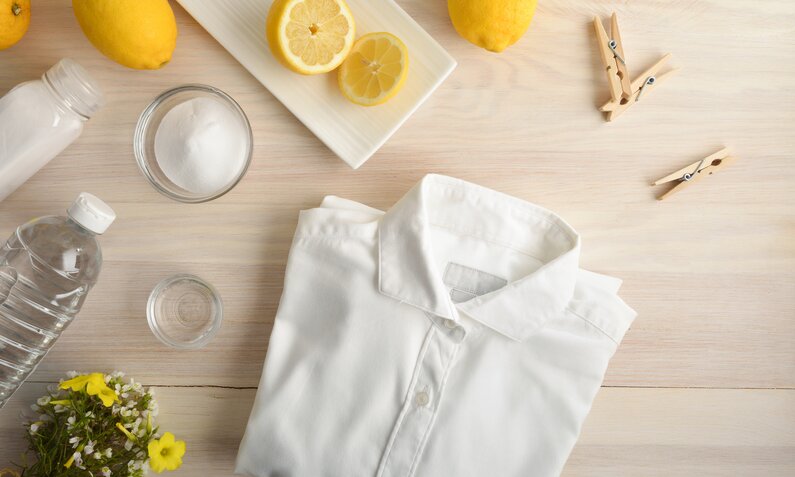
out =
column 47, row 268
column 40, row 118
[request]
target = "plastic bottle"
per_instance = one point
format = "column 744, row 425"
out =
column 39, row 119
column 47, row 268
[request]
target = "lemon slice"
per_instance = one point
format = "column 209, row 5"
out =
column 375, row 70
column 310, row 36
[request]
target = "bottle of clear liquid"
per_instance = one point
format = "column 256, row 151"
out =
column 40, row 118
column 47, row 268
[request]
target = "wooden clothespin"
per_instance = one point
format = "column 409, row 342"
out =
column 696, row 171
column 642, row 85
column 624, row 94
column 613, row 58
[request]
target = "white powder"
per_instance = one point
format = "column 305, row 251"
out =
column 201, row 145
column 33, row 130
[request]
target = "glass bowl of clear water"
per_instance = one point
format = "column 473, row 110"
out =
column 184, row 311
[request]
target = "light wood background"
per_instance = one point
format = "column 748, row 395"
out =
column 704, row 383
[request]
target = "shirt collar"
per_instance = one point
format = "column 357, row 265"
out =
column 407, row 271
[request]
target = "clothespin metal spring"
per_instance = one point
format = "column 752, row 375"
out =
column 690, row 175
column 614, row 47
column 649, row 82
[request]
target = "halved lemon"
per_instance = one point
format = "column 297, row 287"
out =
column 310, row 36
column 375, row 70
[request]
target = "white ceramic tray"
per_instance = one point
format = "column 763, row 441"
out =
column 353, row 132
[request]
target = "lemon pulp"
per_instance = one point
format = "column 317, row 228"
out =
column 375, row 70
column 310, row 36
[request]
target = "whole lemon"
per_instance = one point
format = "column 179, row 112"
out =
column 140, row 34
column 491, row 24
column 14, row 21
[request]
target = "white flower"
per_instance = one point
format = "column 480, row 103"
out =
column 89, row 414
column 105, row 472
column 108, row 452
column 74, row 441
column 59, row 408
column 33, row 428
column 70, row 421
column 89, row 448
column 43, row 401
column 97, row 455
column 126, row 413
column 134, row 466
column 34, row 407
column 117, row 374
column 78, row 458
column 71, row 374
column 128, row 445
column 52, row 388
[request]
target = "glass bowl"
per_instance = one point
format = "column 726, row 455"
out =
column 184, row 311
column 144, row 140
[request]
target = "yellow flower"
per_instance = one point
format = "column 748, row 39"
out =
column 72, row 457
column 166, row 454
column 94, row 385
column 107, row 395
column 127, row 433
column 78, row 383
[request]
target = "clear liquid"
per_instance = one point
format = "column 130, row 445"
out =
column 46, row 270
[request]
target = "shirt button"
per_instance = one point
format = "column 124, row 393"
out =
column 422, row 399
column 449, row 324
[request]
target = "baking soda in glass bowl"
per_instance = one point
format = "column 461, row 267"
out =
column 200, row 145
column 193, row 143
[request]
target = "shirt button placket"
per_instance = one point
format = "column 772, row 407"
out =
column 422, row 402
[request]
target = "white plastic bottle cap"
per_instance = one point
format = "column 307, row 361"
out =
column 89, row 211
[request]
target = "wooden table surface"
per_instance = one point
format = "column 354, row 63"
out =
column 704, row 382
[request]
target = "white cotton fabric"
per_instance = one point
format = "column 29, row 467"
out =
column 453, row 335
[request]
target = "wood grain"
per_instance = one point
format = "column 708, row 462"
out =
column 710, row 271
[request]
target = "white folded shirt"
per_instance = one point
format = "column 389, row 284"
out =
column 453, row 335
